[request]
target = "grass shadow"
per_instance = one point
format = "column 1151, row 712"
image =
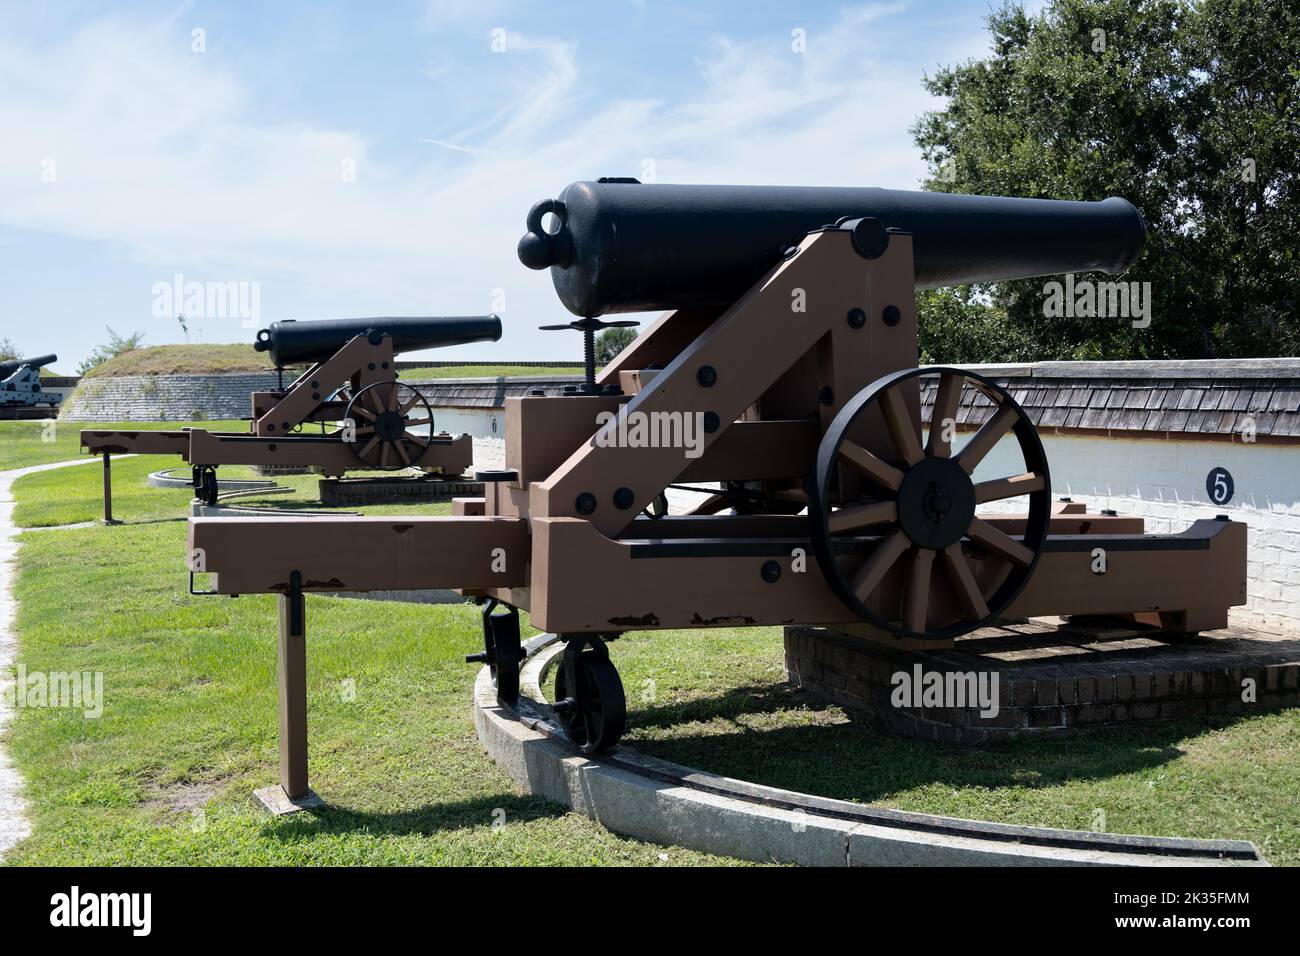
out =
column 422, row 821
column 778, row 735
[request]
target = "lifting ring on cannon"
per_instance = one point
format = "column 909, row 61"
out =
column 380, row 415
column 589, row 698
column 919, row 509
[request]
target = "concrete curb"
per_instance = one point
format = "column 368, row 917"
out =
column 646, row 805
column 13, row 820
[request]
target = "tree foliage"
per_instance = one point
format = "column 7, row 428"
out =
column 7, row 350
column 1191, row 111
column 612, row 341
column 115, row 346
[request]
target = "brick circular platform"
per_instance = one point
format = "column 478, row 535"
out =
column 1050, row 676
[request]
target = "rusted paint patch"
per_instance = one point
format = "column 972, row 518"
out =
column 738, row 620
column 632, row 620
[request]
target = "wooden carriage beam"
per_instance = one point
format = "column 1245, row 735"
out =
column 259, row 555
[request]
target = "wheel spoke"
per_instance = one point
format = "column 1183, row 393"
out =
column 419, row 421
column 902, row 430
column 945, row 410
column 968, row 592
column 862, row 516
column 984, row 440
column 393, row 398
column 875, row 568
column 416, row 439
column 383, row 455
column 879, row 471
column 360, row 410
column 416, row 398
column 365, row 450
column 1003, row 545
column 1012, row 487
column 364, row 430
column 916, row 600
column 401, row 453
column 372, row 396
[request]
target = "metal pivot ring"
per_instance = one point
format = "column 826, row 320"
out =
column 382, row 416
column 882, row 521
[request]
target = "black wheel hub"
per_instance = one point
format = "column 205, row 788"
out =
column 936, row 503
column 390, row 426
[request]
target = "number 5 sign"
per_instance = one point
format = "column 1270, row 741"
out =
column 1219, row 486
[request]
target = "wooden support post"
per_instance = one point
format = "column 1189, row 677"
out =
column 291, row 669
column 293, row 793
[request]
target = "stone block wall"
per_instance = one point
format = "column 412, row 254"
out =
column 165, row 398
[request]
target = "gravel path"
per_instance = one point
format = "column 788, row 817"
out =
column 13, row 822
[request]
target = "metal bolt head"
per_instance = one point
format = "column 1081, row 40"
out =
column 585, row 503
column 856, row 318
column 707, row 376
column 891, row 315
column 711, row 422
column 771, row 572
column 623, row 498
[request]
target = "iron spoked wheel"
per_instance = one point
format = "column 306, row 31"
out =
column 915, row 508
column 381, row 415
column 590, row 703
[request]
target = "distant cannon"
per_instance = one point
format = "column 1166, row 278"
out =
column 351, row 382
column 20, row 383
column 291, row 342
column 624, row 246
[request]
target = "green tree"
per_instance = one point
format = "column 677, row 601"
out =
column 1191, row 111
column 115, row 346
column 612, row 341
column 7, row 350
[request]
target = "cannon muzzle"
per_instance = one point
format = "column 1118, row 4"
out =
column 624, row 246
column 295, row 343
column 10, row 366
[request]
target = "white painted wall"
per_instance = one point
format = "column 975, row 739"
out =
column 1163, row 481
column 477, row 422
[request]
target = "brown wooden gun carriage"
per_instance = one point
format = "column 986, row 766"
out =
column 849, row 487
column 350, row 382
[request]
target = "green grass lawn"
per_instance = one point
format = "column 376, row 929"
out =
column 485, row 371
column 38, row 443
column 189, row 728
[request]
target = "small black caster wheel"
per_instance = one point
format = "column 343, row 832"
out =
column 589, row 698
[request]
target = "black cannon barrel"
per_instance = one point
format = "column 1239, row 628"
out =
column 624, row 246
column 10, row 366
column 293, row 343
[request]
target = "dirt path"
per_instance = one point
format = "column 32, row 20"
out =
column 13, row 821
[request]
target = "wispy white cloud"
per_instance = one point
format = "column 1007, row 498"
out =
column 158, row 149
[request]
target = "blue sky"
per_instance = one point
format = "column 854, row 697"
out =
column 378, row 158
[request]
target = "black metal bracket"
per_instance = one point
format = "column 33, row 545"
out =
column 200, row 593
column 297, row 604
